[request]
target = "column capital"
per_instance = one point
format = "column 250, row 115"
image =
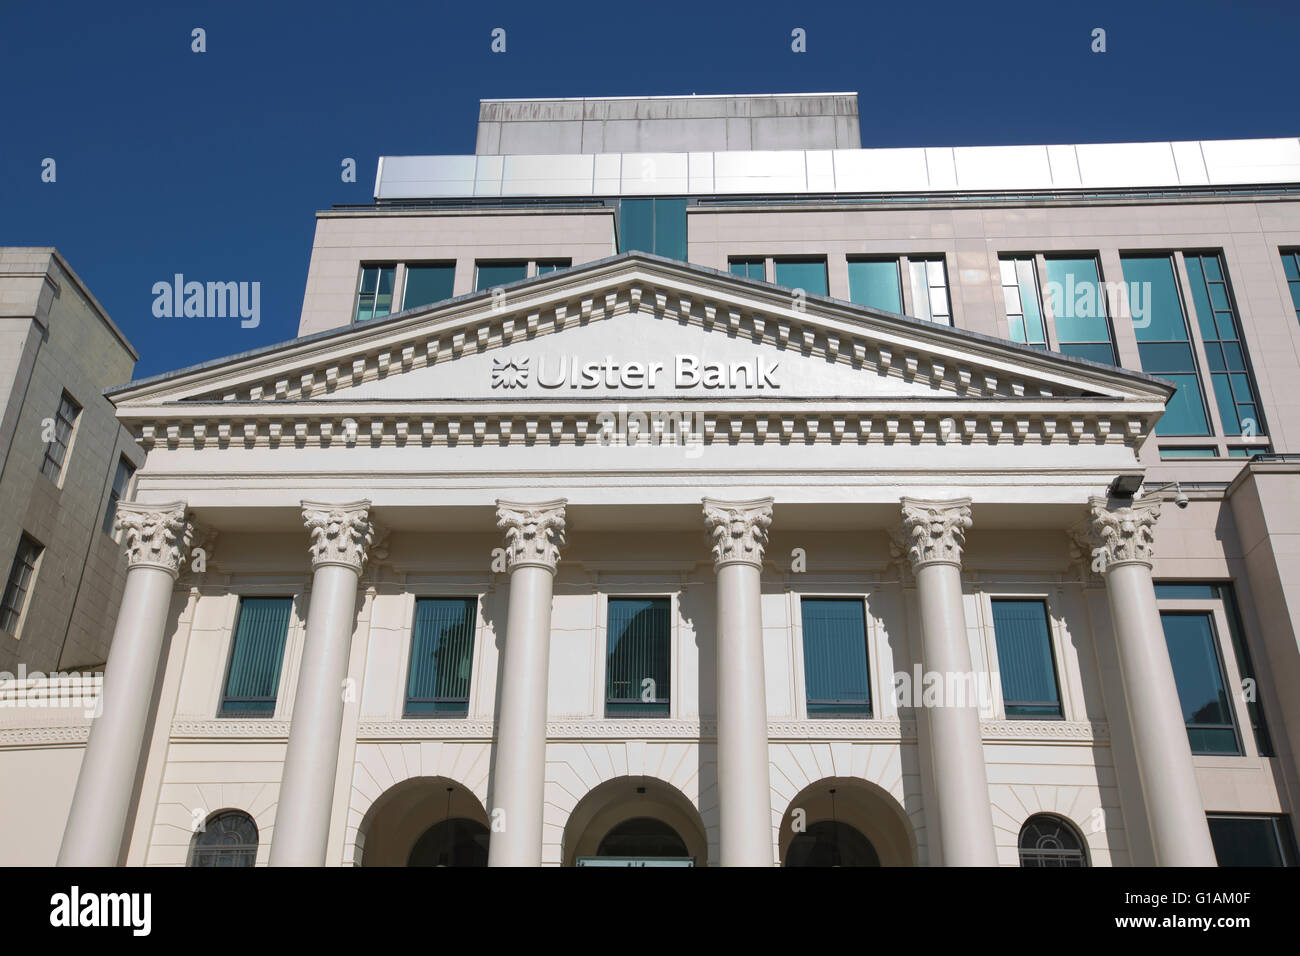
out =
column 738, row 530
column 1122, row 535
column 155, row 536
column 534, row 532
column 934, row 532
column 341, row 534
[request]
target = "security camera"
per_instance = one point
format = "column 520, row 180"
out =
column 1180, row 499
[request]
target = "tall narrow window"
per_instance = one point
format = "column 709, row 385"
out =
column 493, row 274
column 657, row 226
column 1078, row 303
column 1225, row 353
column 930, row 290
column 638, row 656
column 375, row 296
column 256, row 655
column 427, row 283
column 1252, row 840
column 1291, row 267
column 1026, row 664
column 1020, row 293
column 876, row 283
column 837, row 679
column 1198, row 672
column 19, row 584
column 442, row 657
column 749, row 268
column 806, row 274
column 121, row 482
column 1164, row 344
column 56, row 449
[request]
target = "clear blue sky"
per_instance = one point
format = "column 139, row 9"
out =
column 213, row 164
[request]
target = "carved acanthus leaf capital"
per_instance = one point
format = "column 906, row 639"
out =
column 155, row 536
column 738, row 530
column 340, row 533
column 534, row 532
column 935, row 531
column 1122, row 535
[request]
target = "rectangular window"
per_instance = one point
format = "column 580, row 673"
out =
column 1291, row 266
column 1198, row 672
column 427, row 283
column 657, row 226
column 19, row 584
column 806, row 274
column 1250, row 840
column 56, row 449
column 638, row 656
column 121, row 482
column 1078, row 304
column 1020, row 293
column 552, row 265
column 749, row 268
column 256, row 656
column 930, row 290
column 1026, row 664
column 1164, row 344
column 836, row 674
column 1225, row 352
column 876, row 283
column 493, row 274
column 442, row 657
column 375, row 296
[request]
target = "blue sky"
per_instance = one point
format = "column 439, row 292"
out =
column 213, row 164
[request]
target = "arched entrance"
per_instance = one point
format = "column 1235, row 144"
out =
column 425, row 821
column 635, row 821
column 842, row 821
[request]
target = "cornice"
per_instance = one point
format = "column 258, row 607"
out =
column 14, row 738
column 1045, row 731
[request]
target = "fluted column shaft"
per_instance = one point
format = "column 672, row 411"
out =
column 534, row 536
column 1123, row 541
column 157, row 540
column 934, row 533
column 739, row 535
column 341, row 535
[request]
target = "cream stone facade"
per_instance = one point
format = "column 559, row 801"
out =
column 728, row 451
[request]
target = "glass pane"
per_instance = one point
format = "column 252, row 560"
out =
column 555, row 265
column 1247, row 841
column 1078, row 303
column 806, row 274
column 1186, row 592
column 253, row 679
column 426, row 285
column 875, row 284
column 1096, row 353
column 638, row 657
column 1194, row 654
column 442, row 655
column 670, row 228
column 636, row 225
column 1025, row 661
column 749, row 268
column 1153, row 299
column 836, row 675
column 493, row 274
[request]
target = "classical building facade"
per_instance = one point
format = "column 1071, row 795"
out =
column 675, row 482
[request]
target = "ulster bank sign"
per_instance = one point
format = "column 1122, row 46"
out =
column 684, row 372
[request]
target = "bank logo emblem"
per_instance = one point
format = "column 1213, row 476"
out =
column 510, row 373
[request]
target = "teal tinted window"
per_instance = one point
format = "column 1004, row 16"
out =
column 836, row 677
column 1291, row 266
column 749, row 268
column 653, row 225
column 1252, row 840
column 1225, row 352
column 1189, row 452
column 1194, row 653
column 427, row 284
column 1020, row 293
column 493, row 274
column 1078, row 302
column 930, row 290
column 552, row 265
column 638, row 641
column 876, row 283
column 1163, row 341
column 806, row 274
column 256, row 654
column 442, row 656
column 1025, row 661
column 375, row 297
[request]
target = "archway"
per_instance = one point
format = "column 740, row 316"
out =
column 841, row 821
column 634, row 821
column 425, row 821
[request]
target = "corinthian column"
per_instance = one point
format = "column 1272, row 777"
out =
column 534, row 537
column 157, row 539
column 341, row 535
column 1123, row 545
column 934, row 533
column 738, row 530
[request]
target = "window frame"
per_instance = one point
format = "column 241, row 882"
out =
column 802, row 259
column 1228, row 674
column 900, row 266
column 1051, row 335
column 1283, row 832
column 402, row 279
column 995, row 659
column 288, row 654
column 20, row 618
column 873, row 711
column 1085, row 856
column 398, row 284
column 110, row 507
column 600, row 689
column 474, row 599
column 1065, row 658
column 61, row 464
